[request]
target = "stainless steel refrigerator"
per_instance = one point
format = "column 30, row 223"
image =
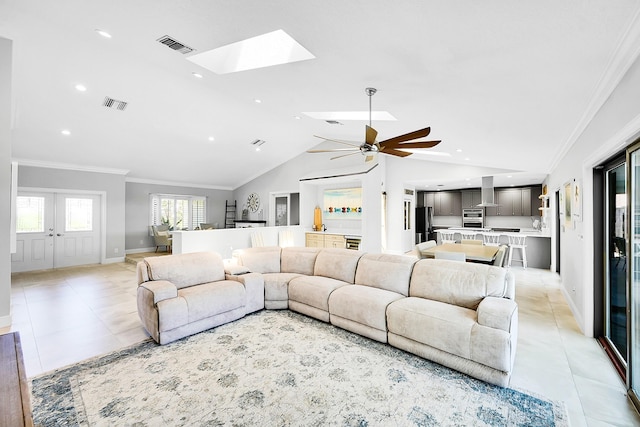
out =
column 424, row 224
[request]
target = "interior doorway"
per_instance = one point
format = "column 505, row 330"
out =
column 56, row 229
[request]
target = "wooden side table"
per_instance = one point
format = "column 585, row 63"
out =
column 15, row 398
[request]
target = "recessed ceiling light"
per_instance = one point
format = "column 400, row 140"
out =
column 269, row 49
column 65, row 132
column 257, row 148
column 459, row 150
column 509, row 176
column 350, row 115
column 466, row 158
column 467, row 179
column 296, row 117
column 198, row 75
column 258, row 101
column 211, row 138
column 104, row 34
column 81, row 88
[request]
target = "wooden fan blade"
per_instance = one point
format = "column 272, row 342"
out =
column 344, row 155
column 394, row 152
column 333, row 150
column 351, row 143
column 370, row 135
column 369, row 158
column 408, row 136
column 412, row 145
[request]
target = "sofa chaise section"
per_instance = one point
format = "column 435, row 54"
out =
column 462, row 318
column 333, row 268
column 180, row 295
column 362, row 307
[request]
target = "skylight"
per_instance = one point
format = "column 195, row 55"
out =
column 350, row 115
column 269, row 49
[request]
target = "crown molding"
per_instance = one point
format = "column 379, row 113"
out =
column 623, row 57
column 176, row 184
column 68, row 166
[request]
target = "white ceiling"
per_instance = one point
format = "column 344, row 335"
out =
column 506, row 82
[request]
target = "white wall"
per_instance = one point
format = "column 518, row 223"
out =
column 614, row 127
column 5, row 181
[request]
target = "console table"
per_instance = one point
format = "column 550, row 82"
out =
column 15, row 400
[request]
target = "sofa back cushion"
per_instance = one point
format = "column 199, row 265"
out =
column 383, row 271
column 299, row 260
column 261, row 259
column 339, row 264
column 186, row 270
column 464, row 284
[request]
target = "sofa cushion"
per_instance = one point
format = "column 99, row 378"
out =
column 339, row 264
column 313, row 290
column 210, row 299
column 261, row 259
column 462, row 284
column 443, row 326
column 299, row 260
column 362, row 304
column 383, row 271
column 185, row 270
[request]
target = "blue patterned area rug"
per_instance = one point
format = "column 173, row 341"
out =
column 277, row 368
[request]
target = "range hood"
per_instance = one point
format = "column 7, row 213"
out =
column 487, row 193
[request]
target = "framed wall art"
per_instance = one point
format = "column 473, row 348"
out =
column 343, row 203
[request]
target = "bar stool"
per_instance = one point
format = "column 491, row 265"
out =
column 447, row 236
column 516, row 241
column 491, row 239
column 468, row 235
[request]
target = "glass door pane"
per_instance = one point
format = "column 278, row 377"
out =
column 616, row 290
column 633, row 374
column 282, row 217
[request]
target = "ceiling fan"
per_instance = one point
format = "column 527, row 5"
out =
column 370, row 146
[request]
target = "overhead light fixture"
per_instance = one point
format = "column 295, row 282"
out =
column 296, row 117
column 350, row 115
column 81, row 88
column 257, row 101
column 104, row 34
column 65, row 132
column 211, row 139
column 274, row 48
column 198, row 75
column 459, row 150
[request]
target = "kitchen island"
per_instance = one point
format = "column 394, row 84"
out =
column 538, row 244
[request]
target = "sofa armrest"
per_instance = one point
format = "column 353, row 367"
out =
column 160, row 289
column 498, row 313
column 254, row 288
column 510, row 286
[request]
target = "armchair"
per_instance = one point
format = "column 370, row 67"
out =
column 161, row 236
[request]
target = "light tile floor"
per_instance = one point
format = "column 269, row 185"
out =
column 70, row 314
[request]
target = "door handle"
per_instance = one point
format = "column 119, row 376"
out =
column 50, row 234
column 59, row 234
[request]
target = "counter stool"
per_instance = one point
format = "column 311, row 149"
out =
column 468, row 235
column 491, row 239
column 516, row 241
column 447, row 236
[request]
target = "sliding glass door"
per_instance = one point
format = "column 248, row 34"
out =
column 615, row 297
column 633, row 374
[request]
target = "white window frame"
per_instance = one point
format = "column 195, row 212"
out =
column 155, row 216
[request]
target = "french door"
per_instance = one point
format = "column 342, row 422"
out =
column 56, row 230
column 633, row 277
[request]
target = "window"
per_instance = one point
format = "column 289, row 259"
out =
column 78, row 215
column 29, row 214
column 178, row 212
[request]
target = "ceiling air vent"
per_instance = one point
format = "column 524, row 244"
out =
column 333, row 122
column 114, row 103
column 175, row 44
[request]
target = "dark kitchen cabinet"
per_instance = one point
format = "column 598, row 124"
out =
column 447, row 203
column 471, row 198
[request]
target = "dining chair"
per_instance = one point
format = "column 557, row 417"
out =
column 161, row 236
column 468, row 235
column 500, row 256
column 424, row 246
column 257, row 240
column 454, row 256
column 206, row 226
column 285, row 238
column 471, row 242
column 491, row 239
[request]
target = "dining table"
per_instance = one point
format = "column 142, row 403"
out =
column 473, row 253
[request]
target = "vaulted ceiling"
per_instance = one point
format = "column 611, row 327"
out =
column 503, row 84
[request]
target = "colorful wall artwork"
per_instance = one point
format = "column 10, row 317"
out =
column 342, row 203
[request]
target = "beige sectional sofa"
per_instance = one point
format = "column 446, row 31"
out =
column 461, row 315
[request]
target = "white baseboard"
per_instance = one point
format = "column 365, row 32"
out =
column 113, row 260
column 140, row 250
column 5, row 321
